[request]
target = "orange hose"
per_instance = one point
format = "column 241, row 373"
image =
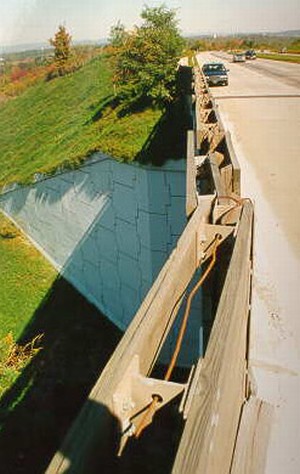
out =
column 187, row 311
column 156, row 399
column 237, row 200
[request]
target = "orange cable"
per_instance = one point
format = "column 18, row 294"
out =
column 239, row 201
column 156, row 399
column 187, row 310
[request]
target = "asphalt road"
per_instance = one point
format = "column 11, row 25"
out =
column 261, row 109
column 287, row 73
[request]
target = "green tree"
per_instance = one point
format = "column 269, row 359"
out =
column 117, row 35
column 62, row 48
column 145, row 60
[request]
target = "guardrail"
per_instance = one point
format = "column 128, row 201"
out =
column 209, row 437
column 211, row 136
column 227, row 428
column 216, row 393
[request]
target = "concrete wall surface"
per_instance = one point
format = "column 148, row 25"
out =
column 108, row 227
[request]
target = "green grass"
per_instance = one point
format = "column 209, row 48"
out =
column 25, row 279
column 60, row 122
column 290, row 58
column 40, row 396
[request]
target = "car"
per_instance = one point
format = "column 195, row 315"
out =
column 250, row 54
column 215, row 74
column 239, row 58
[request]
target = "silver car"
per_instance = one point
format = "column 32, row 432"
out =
column 239, row 58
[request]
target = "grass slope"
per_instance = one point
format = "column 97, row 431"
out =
column 40, row 398
column 25, row 278
column 60, row 122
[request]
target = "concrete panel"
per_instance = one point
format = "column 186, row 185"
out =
column 124, row 202
column 129, row 271
column 157, row 259
column 176, row 217
column 106, row 244
column 110, row 275
column 177, row 184
column 91, row 277
column 158, row 232
column 113, row 306
column 127, row 238
column 130, row 301
column 125, row 175
column 107, row 226
column 143, row 228
column 158, row 193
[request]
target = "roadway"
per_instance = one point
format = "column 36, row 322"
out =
column 287, row 73
column 261, row 109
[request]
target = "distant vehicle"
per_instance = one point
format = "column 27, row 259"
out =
column 250, row 54
column 239, row 58
column 215, row 74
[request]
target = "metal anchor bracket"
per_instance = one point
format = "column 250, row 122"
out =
column 206, row 236
column 227, row 213
column 134, row 395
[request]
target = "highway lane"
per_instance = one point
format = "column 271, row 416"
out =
column 262, row 111
column 288, row 73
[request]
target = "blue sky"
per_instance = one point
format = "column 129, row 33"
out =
column 30, row 21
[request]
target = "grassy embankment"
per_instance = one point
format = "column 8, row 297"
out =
column 290, row 58
column 54, row 125
column 51, row 125
column 25, row 279
column 58, row 123
column 41, row 392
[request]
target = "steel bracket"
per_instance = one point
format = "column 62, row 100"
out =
column 228, row 213
column 206, row 236
column 133, row 396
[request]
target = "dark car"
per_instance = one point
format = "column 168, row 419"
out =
column 250, row 54
column 215, row 74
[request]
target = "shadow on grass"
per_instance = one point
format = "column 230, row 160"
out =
column 37, row 411
column 168, row 138
column 108, row 102
column 111, row 102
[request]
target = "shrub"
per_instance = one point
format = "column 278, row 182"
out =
column 145, row 60
column 14, row 357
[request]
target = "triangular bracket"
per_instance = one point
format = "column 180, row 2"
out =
column 134, row 395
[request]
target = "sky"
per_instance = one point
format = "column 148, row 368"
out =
column 35, row 21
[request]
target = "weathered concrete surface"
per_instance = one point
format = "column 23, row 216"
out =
column 109, row 227
column 263, row 115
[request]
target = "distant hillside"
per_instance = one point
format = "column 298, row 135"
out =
column 289, row 34
column 18, row 48
column 59, row 123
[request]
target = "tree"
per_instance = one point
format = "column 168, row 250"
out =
column 117, row 35
column 62, row 49
column 145, row 60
